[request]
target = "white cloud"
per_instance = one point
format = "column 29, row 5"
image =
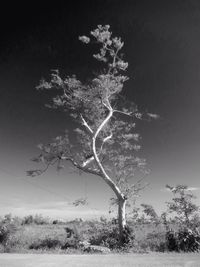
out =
column 57, row 209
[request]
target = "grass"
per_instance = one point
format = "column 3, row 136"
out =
column 27, row 234
column 53, row 239
column 125, row 260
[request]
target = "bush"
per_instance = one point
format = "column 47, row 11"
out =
column 71, row 243
column 28, row 220
column 47, row 243
column 54, row 243
column 171, row 241
column 154, row 241
column 6, row 230
column 71, row 239
column 37, row 219
column 184, row 240
column 109, row 237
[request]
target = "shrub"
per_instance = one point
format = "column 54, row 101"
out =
column 184, row 240
column 47, row 243
column 37, row 219
column 71, row 243
column 6, row 230
column 171, row 241
column 54, row 243
column 40, row 220
column 28, row 220
column 71, row 239
column 188, row 240
column 154, row 241
column 109, row 237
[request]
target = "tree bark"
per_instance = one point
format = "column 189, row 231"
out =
column 121, row 216
column 121, row 198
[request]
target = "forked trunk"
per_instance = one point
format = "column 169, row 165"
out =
column 107, row 179
column 122, row 217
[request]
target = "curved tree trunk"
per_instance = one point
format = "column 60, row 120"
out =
column 120, row 196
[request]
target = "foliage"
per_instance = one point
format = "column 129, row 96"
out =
column 28, row 220
column 71, row 240
column 37, row 219
column 108, row 236
column 105, row 141
column 47, row 243
column 147, row 236
column 171, row 241
column 154, row 241
column 184, row 240
column 182, row 205
column 7, row 229
column 150, row 212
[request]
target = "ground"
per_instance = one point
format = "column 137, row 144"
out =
column 114, row 260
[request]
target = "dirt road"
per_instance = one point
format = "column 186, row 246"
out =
column 128, row 260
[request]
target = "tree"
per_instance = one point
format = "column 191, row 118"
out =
column 182, row 204
column 105, row 143
column 150, row 213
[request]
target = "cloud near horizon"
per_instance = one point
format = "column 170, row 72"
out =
column 53, row 209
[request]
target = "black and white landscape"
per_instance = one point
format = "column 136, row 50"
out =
column 99, row 130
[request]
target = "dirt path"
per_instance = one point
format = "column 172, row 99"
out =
column 130, row 260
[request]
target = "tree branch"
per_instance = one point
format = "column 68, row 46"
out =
column 105, row 140
column 88, row 161
column 105, row 176
column 86, row 125
column 82, row 167
column 122, row 112
column 34, row 173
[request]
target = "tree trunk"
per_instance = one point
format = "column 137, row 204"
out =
column 121, row 217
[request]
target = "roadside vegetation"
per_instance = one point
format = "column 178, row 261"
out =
column 175, row 230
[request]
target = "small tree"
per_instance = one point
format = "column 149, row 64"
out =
column 150, row 213
column 182, row 204
column 104, row 141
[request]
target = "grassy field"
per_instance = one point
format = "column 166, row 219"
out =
column 127, row 260
column 28, row 234
column 52, row 238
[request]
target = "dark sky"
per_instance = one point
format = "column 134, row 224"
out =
column 162, row 46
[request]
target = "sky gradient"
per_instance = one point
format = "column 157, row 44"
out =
column 162, row 46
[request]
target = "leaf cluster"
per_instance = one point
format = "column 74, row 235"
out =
column 89, row 104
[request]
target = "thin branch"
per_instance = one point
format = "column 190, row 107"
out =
column 34, row 173
column 105, row 140
column 81, row 167
column 86, row 124
column 122, row 112
column 88, row 161
column 140, row 180
column 114, row 58
column 108, row 106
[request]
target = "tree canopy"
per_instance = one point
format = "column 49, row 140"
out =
column 104, row 141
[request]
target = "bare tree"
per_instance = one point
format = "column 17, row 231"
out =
column 105, row 143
